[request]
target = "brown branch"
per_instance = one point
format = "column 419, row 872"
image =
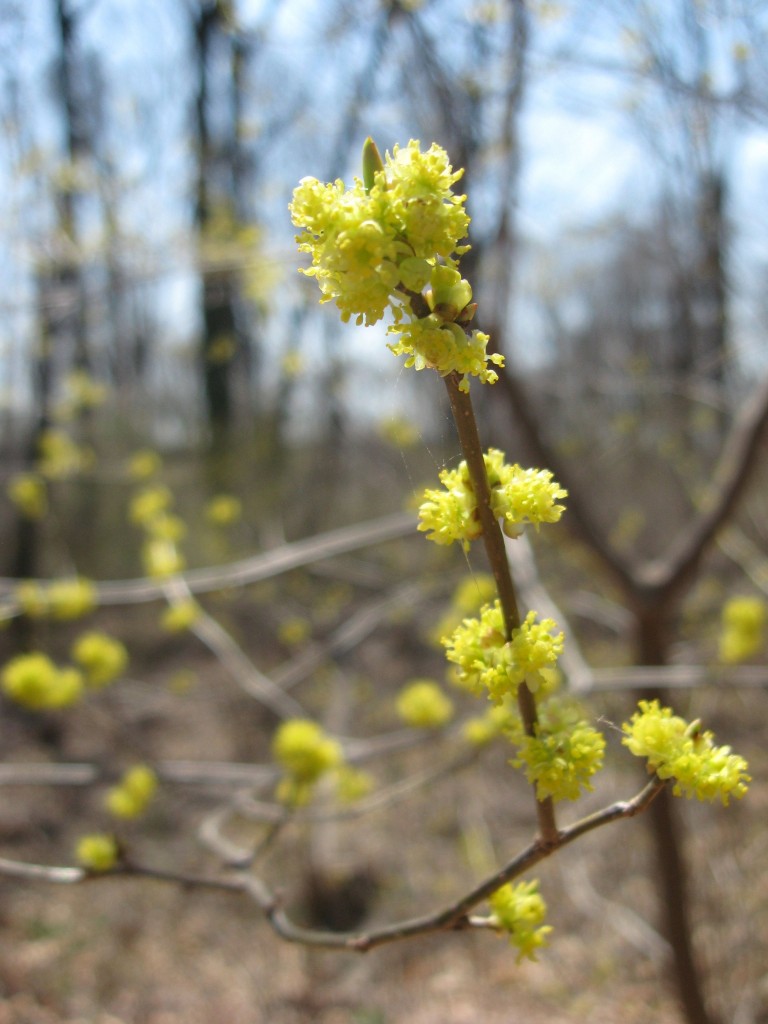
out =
column 248, row 570
column 493, row 539
column 453, row 917
column 668, row 574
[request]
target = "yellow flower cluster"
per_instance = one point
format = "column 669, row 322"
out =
column 28, row 493
column 180, row 615
column 64, row 599
column 143, row 464
column 305, row 753
column 37, row 683
column 149, row 504
column 676, row 749
column 101, row 657
column 150, row 509
column 376, row 246
column 432, row 343
column 98, row 852
column 60, row 457
column 499, row 720
column 83, row 392
column 520, row 910
column 565, row 753
column 223, row 510
column 423, row 705
column 130, row 798
column 743, row 632
column 518, row 496
column 485, row 659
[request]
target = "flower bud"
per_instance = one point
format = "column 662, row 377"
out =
column 372, row 163
column 449, row 294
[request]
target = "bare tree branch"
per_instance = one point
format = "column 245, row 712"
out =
column 453, row 917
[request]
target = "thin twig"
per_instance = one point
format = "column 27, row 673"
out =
column 248, row 570
column 240, row 667
column 493, row 539
column 453, row 917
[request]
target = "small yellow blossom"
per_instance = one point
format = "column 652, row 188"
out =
column 166, row 526
column 35, row 682
column 304, row 751
column 28, row 493
column 518, row 496
column 499, row 720
column 399, row 431
column 295, row 631
column 98, row 852
column 144, row 463
column 223, row 510
column 564, row 754
column 83, row 392
column 485, row 659
column 101, row 657
column 352, row 784
column 130, row 798
column 149, row 503
column 743, row 633
column 423, row 705
column 71, row 599
column 180, row 615
column 60, row 457
column 676, row 749
column 162, row 558
column 519, row 910
column 32, row 598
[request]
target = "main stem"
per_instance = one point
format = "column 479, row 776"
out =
column 469, row 439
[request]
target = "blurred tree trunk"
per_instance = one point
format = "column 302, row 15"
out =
column 712, row 275
column 62, row 339
column 215, row 198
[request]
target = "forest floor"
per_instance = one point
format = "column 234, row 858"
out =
column 128, row 951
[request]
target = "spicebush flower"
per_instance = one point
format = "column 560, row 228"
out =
column 519, row 910
column 28, row 493
column 63, row 599
column 518, row 496
column 130, row 798
column 678, row 750
column 563, row 755
column 144, row 463
column 71, row 599
column 306, row 753
column 431, row 343
column 498, row 720
column 223, row 510
column 743, row 634
column 376, row 245
column 97, row 852
column 180, row 615
column 423, row 705
column 485, row 659
column 101, row 657
column 35, row 682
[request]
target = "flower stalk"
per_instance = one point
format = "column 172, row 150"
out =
column 493, row 541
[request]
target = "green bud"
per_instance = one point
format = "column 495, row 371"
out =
column 449, row 294
column 372, row 163
column 414, row 272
